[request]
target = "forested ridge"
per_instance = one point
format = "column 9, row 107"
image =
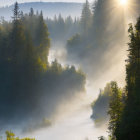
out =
column 31, row 87
column 61, row 29
column 50, row 9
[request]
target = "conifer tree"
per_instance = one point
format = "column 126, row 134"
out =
column 31, row 12
column 115, row 109
column 86, row 18
column 130, row 123
column 16, row 12
column 17, row 36
column 42, row 41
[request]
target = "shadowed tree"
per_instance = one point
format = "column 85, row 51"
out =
column 130, row 123
column 16, row 12
column 86, row 19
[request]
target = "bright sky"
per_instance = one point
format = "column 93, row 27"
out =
column 9, row 2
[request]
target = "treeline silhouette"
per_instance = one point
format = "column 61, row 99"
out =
column 30, row 87
column 61, row 29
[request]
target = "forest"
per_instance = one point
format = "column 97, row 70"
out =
column 27, row 79
column 32, row 88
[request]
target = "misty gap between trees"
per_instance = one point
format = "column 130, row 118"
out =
column 32, row 88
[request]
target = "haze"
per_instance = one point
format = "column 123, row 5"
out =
column 62, row 65
column 9, row 2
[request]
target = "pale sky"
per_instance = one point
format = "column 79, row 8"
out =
column 9, row 2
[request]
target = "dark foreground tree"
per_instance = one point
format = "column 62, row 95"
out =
column 129, row 128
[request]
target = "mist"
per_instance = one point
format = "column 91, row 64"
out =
column 105, row 61
column 84, row 52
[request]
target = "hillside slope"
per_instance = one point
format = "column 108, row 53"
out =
column 50, row 9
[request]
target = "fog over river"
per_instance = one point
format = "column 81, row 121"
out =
column 75, row 124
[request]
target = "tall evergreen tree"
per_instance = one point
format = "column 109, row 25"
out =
column 31, row 12
column 16, row 12
column 42, row 42
column 115, row 109
column 130, row 123
column 17, row 36
column 86, row 18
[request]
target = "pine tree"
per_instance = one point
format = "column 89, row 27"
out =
column 31, row 12
column 16, row 12
column 86, row 18
column 130, row 123
column 17, row 41
column 42, row 42
column 17, row 47
column 115, row 109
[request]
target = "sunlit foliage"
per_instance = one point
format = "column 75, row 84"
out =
column 116, row 105
column 11, row 136
column 108, row 106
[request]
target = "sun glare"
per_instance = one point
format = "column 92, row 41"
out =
column 123, row 2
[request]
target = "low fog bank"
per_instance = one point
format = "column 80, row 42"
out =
column 73, row 123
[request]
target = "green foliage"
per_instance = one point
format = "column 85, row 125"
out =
column 11, row 136
column 109, row 106
column 78, row 44
column 124, row 113
column 16, row 12
column 86, row 18
column 74, row 44
column 115, row 109
column 100, row 106
column 129, row 127
column 27, row 80
column 61, row 29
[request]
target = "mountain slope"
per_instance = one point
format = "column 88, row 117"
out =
column 49, row 9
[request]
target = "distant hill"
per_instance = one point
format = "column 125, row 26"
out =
column 49, row 9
